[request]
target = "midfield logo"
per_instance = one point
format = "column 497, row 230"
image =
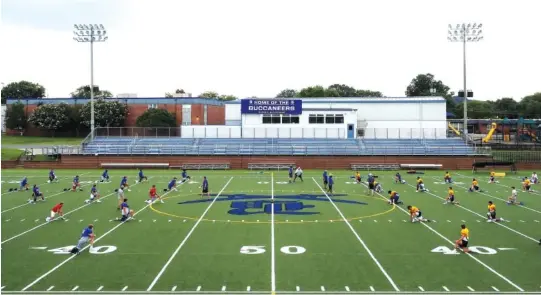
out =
column 243, row 204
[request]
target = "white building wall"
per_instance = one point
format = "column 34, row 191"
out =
column 3, row 118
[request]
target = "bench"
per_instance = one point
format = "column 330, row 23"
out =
column 421, row 166
column 269, row 166
column 134, row 165
column 203, row 166
column 495, row 164
column 381, row 167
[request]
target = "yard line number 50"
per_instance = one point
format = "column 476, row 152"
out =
column 251, row 250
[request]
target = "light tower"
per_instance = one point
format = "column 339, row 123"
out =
column 465, row 33
column 89, row 34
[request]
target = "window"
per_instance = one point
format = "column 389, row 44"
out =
column 339, row 119
column 316, row 119
column 329, row 119
column 153, row 106
column 271, row 119
column 289, row 119
column 266, row 119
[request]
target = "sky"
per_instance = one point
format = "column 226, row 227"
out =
column 259, row 47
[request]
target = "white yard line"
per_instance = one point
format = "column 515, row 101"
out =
column 473, row 212
column 359, row 239
column 50, row 288
column 273, row 255
column 186, row 238
column 469, row 255
column 86, row 247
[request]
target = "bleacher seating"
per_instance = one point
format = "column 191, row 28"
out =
column 276, row 146
column 269, row 166
column 204, row 166
column 375, row 167
column 135, row 165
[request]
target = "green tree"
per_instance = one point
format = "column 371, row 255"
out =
column 423, row 83
column 506, row 108
column 107, row 113
column 368, row 93
column 178, row 91
column 156, row 118
column 227, row 97
column 341, row 90
column 22, row 89
column 209, row 94
column 530, row 106
column 287, row 93
column 51, row 117
column 477, row 109
column 312, row 91
column 16, row 117
column 84, row 92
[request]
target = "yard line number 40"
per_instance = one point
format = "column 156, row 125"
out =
column 252, row 250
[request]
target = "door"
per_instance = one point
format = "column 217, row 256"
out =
column 350, row 131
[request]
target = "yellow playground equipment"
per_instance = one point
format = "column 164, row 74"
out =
column 490, row 133
column 454, row 129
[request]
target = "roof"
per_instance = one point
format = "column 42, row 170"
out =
column 338, row 100
column 329, row 109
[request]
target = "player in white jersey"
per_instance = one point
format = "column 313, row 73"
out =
column 120, row 195
column 534, row 178
column 512, row 200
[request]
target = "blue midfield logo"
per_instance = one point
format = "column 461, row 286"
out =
column 243, row 204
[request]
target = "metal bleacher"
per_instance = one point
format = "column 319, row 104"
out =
column 276, row 146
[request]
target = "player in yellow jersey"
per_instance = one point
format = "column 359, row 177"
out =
column 474, row 186
column 491, row 214
column 492, row 178
column 358, row 177
column 420, row 185
column 451, row 197
column 416, row 214
column 462, row 242
column 526, row 185
column 447, row 177
column 394, row 198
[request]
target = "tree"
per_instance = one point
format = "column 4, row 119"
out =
column 341, row 90
column 16, row 117
column 477, row 109
column 22, row 89
column 368, row 93
column 287, row 93
column 107, row 113
column 52, row 117
column 530, row 106
column 506, row 108
column 84, row 92
column 421, row 85
column 312, row 91
column 178, row 91
column 209, row 94
column 156, row 118
column 228, row 97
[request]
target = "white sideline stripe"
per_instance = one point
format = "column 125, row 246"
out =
column 125, row 287
column 87, row 246
column 99, row 289
column 223, row 288
column 75, row 288
column 473, row 212
column 186, row 238
column 531, row 209
column 469, row 255
column 446, row 289
column 421, row 288
column 495, row 289
column 347, row 288
column 322, row 289
column 273, row 252
column 359, row 239
column 297, row 288
column 45, row 223
column 198, row 288
column 471, row 289
column 50, row 288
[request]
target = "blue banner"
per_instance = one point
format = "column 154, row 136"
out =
column 271, row 106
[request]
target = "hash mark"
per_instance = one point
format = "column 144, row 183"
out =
column 421, row 288
column 403, row 220
column 297, row 288
column 521, row 220
column 223, row 288
column 75, row 288
column 347, row 288
column 248, row 288
column 80, row 220
column 5, row 286
column 153, row 220
column 372, row 289
column 125, row 288
column 448, row 220
column 173, row 289
column 360, row 220
column 184, row 220
column 23, row 219
column 95, row 220
column 495, row 289
column 463, row 220
column 50, row 288
column 390, row 220
column 169, row 220
column 36, row 220
column 470, row 288
column 375, row 220
column 322, row 289
column 445, row 288
column 536, row 220
column 198, row 288
column 99, row 289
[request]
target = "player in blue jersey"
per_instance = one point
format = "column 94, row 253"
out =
column 52, row 176
column 185, row 176
column 76, row 184
column 325, row 179
column 87, row 236
column 371, row 184
column 94, row 195
column 124, row 183
column 105, row 176
column 36, row 194
column 398, row 178
column 205, row 187
column 172, row 186
column 331, row 183
column 24, row 184
column 127, row 213
column 290, row 173
column 141, row 176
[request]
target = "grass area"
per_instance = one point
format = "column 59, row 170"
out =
column 16, row 139
column 258, row 232
column 517, row 156
column 11, row 154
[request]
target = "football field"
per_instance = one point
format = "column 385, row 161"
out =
column 258, row 233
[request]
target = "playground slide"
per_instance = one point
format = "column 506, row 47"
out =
column 454, row 129
column 489, row 135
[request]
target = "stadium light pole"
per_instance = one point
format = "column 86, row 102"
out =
column 465, row 33
column 89, row 34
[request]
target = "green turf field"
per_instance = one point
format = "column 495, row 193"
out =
column 259, row 234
